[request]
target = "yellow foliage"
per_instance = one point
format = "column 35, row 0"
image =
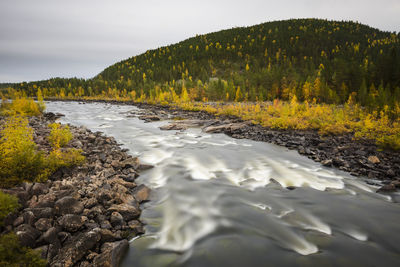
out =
column 59, row 135
column 20, row 106
column 19, row 159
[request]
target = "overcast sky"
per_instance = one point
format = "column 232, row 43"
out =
column 40, row 39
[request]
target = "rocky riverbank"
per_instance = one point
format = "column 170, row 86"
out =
column 82, row 216
column 361, row 158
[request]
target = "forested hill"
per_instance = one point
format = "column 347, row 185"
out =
column 309, row 58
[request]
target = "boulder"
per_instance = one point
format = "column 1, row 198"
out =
column 141, row 193
column 128, row 212
column 229, row 127
column 50, row 236
column 76, row 248
column 136, row 227
column 327, row 162
column 43, row 224
column 111, row 254
column 42, row 212
column 149, row 118
column 116, row 219
column 107, row 236
column 40, row 189
column 387, row 188
column 18, row 221
column 374, row 159
column 27, row 235
column 72, row 222
column 68, row 205
column 130, row 162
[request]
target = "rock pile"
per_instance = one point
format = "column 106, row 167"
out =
column 81, row 216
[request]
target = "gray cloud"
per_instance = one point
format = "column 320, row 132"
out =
column 49, row 38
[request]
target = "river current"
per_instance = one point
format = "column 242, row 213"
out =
column 219, row 201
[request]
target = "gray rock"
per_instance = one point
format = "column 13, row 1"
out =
column 68, row 205
column 107, row 236
column 27, row 235
column 42, row 212
column 116, row 219
column 104, row 224
column 40, row 188
column 128, row 212
column 76, row 248
column 18, row 221
column 111, row 253
column 136, row 227
column 50, row 236
column 72, row 222
column 43, row 224
column 29, row 217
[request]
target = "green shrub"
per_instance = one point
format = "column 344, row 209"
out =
column 13, row 254
column 8, row 204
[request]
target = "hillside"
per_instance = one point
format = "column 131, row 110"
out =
column 309, row 58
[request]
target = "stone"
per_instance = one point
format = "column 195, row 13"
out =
column 68, row 205
column 390, row 173
column 149, row 118
column 116, row 219
column 144, row 167
column 327, row 162
column 72, row 222
column 18, row 221
column 76, row 248
column 141, row 193
column 43, row 224
column 130, row 162
column 387, row 188
column 128, row 212
column 104, row 224
column 50, row 236
column 173, row 126
column 107, row 236
column 29, row 217
column 111, row 253
column 136, row 227
column 27, row 235
column 90, row 203
column 40, row 188
column 229, row 127
column 64, row 236
column 374, row 159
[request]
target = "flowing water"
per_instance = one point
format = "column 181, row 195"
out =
column 219, row 201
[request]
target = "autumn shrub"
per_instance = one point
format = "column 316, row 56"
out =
column 8, row 204
column 14, row 255
column 21, row 106
column 67, row 158
column 60, row 135
column 19, row 158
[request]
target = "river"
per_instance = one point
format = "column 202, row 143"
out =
column 219, row 201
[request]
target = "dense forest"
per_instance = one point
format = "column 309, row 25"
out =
column 314, row 60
